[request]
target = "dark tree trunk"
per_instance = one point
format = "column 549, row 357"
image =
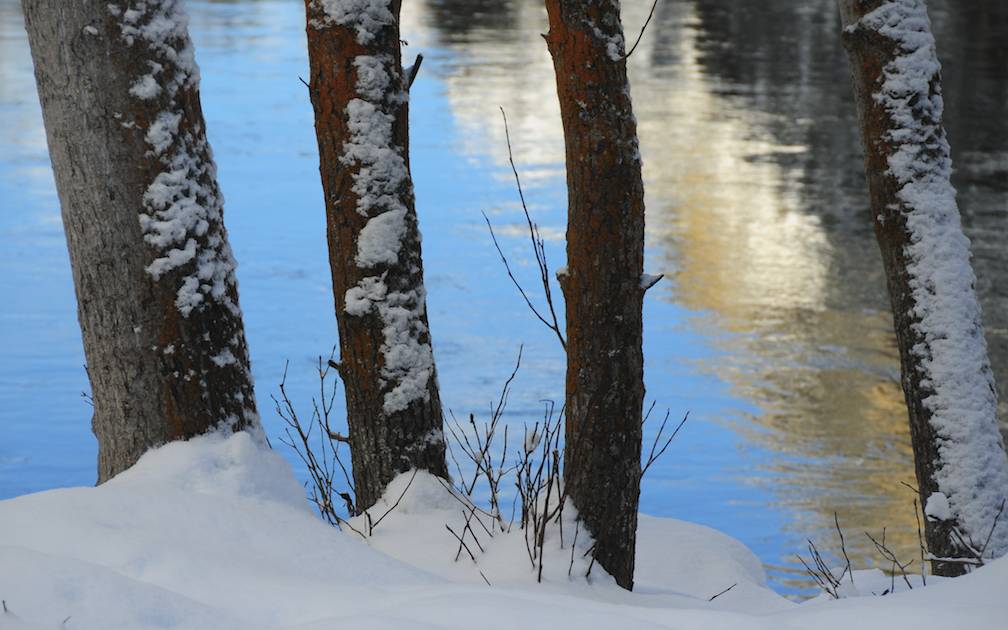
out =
column 947, row 381
column 602, row 284
column 359, row 94
column 153, row 272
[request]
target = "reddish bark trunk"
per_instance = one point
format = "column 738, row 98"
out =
column 393, row 408
column 602, row 285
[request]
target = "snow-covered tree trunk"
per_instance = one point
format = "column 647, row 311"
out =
column 360, row 96
column 962, row 471
column 153, row 272
column 602, row 284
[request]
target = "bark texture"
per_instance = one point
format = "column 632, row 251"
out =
column 386, row 362
column 602, row 284
column 153, row 274
column 946, row 375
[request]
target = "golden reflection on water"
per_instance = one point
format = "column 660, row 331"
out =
column 746, row 252
column 728, row 221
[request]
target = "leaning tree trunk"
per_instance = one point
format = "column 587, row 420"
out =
column 602, row 285
column 359, row 93
column 962, row 471
column 152, row 269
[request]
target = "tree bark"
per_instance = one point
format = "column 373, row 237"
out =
column 153, row 272
column 603, row 281
column 962, row 472
column 359, row 93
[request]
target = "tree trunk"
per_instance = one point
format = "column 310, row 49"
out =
column 602, row 284
column 153, row 272
column 962, row 471
column 359, row 93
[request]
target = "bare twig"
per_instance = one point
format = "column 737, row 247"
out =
column 396, row 504
column 920, row 541
column 888, row 554
column 413, row 71
column 538, row 248
column 643, row 28
column 577, row 528
column 713, row 597
column 318, row 452
column 993, row 527
column 843, row 548
column 461, row 542
column 821, row 572
column 909, row 487
column 654, row 456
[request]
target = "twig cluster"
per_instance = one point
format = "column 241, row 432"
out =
column 821, row 572
column 318, row 445
column 535, row 466
column 535, row 463
column 890, row 556
column 828, row 582
column 972, row 553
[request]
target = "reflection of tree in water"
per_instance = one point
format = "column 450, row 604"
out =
column 456, row 19
column 758, row 204
column 785, row 58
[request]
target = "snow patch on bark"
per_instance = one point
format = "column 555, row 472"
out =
column 381, row 183
column 408, row 358
column 365, row 17
column 382, row 173
column 611, row 33
column 972, row 474
column 937, row 507
column 182, row 207
column 380, row 239
column 146, row 87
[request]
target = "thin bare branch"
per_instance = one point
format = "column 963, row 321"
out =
column 713, row 597
column 654, row 456
column 413, row 71
column 643, row 28
column 398, row 501
column 538, row 248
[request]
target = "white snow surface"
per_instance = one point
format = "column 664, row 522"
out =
column 973, row 469
column 380, row 240
column 937, row 507
column 215, row 534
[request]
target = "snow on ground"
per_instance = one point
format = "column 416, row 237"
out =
column 215, row 534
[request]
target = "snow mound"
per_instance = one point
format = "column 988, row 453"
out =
column 214, row 534
column 676, row 559
column 232, row 466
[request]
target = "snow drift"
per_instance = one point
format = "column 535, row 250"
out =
column 215, row 533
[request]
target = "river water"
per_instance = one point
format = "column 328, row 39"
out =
column 772, row 327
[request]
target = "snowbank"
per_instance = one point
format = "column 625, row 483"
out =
column 215, row 534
